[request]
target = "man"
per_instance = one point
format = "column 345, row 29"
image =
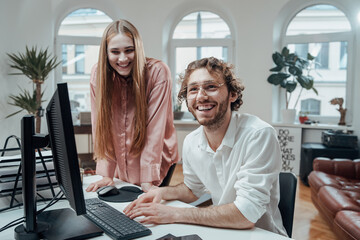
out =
column 235, row 157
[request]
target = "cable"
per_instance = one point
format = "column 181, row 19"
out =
column 54, row 200
column 13, row 223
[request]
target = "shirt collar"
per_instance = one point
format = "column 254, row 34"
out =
column 228, row 139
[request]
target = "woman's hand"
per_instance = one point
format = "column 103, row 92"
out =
column 146, row 186
column 106, row 181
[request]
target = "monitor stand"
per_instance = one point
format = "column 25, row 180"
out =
column 61, row 224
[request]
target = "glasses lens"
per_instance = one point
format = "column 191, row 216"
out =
column 210, row 89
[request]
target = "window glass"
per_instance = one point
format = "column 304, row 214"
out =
column 202, row 25
column 318, row 19
column 84, row 22
column 329, row 74
column 331, row 56
column 207, row 28
column 185, row 55
column 81, row 26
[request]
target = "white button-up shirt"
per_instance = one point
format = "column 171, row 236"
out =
column 243, row 170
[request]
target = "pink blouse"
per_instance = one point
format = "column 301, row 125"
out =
column 160, row 150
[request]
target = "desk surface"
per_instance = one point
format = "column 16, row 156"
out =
column 206, row 233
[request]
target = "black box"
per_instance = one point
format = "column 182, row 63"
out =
column 339, row 139
column 310, row 151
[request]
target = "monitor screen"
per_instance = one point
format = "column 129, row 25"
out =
column 63, row 146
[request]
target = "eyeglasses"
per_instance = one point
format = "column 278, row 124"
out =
column 210, row 89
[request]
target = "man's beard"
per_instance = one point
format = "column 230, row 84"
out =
column 219, row 117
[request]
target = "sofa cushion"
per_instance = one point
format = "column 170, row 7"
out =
column 318, row 179
column 332, row 200
column 338, row 166
column 347, row 222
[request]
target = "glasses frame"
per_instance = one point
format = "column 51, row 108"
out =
column 201, row 87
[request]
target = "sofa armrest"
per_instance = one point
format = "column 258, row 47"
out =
column 338, row 166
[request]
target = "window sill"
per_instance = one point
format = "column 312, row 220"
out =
column 314, row 126
column 190, row 122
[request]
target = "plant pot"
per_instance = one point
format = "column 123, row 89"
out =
column 288, row 115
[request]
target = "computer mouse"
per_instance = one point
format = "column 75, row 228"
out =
column 107, row 191
column 132, row 189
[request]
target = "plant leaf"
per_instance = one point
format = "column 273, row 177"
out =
column 293, row 70
column 285, row 52
column 310, row 57
column 306, row 82
column 278, row 59
column 277, row 78
column 34, row 64
column 290, row 86
column 314, row 89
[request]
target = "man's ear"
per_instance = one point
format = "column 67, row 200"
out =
column 233, row 96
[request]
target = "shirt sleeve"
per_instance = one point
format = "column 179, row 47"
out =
column 191, row 180
column 159, row 107
column 104, row 167
column 256, row 177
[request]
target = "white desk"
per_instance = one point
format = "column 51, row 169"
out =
column 206, row 233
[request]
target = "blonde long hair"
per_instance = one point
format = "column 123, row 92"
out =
column 103, row 146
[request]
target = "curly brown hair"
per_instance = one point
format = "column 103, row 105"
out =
column 218, row 68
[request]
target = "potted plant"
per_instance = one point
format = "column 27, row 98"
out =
column 291, row 70
column 36, row 65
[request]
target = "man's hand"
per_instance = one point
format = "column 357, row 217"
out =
column 106, row 181
column 153, row 195
column 154, row 213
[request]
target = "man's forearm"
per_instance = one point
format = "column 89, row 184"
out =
column 179, row 192
column 224, row 216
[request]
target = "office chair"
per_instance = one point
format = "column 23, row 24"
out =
column 168, row 176
column 288, row 183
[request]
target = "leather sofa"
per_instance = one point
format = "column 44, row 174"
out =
column 335, row 191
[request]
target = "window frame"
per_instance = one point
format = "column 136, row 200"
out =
column 60, row 40
column 347, row 36
column 175, row 43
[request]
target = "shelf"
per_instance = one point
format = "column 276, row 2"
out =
column 314, row 126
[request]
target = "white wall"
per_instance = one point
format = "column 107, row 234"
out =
column 30, row 22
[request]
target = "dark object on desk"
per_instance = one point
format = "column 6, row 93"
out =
column 187, row 237
column 334, row 185
column 340, row 139
column 67, row 224
column 114, row 223
column 124, row 194
column 310, row 151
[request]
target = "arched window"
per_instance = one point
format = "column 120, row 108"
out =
column 198, row 35
column 78, row 42
column 325, row 32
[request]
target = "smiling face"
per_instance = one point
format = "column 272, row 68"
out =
column 121, row 54
column 211, row 110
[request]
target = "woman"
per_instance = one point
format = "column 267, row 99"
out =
column 132, row 121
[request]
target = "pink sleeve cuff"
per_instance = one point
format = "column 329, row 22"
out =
column 150, row 174
column 105, row 168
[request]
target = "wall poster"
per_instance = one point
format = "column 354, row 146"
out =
column 290, row 145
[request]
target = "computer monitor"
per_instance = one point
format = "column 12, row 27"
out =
column 60, row 223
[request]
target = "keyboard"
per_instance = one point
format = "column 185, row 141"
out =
column 113, row 222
